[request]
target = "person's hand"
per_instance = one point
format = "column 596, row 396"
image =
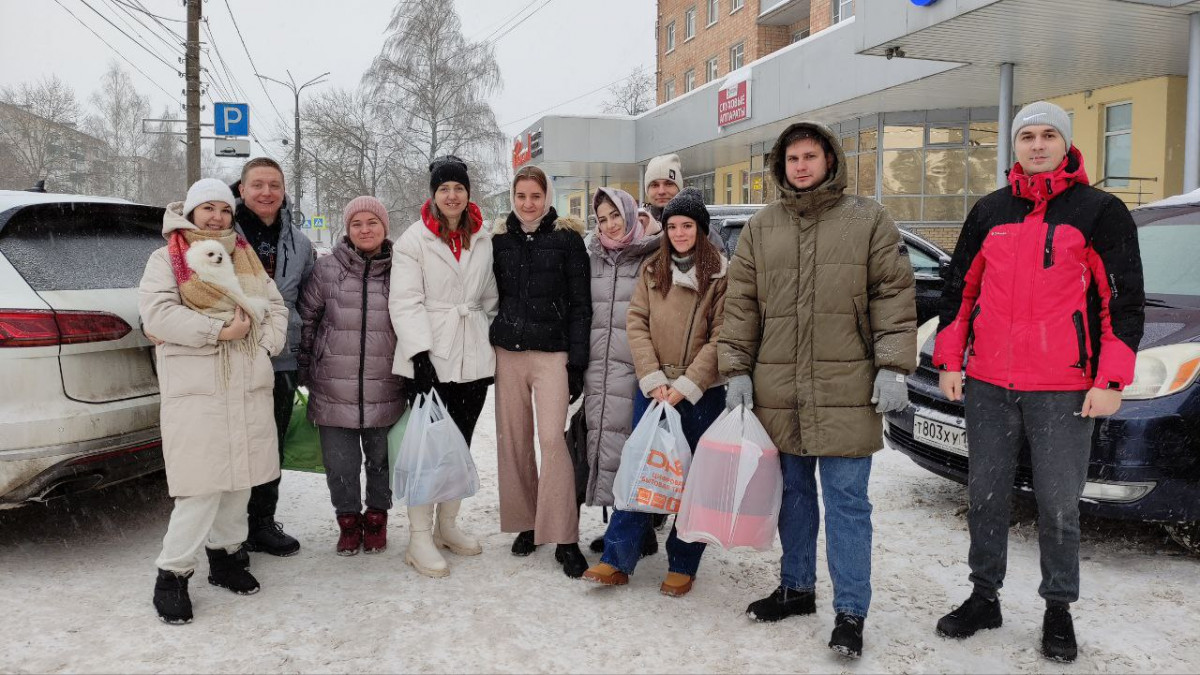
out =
column 659, row 393
column 890, row 393
column 575, row 380
column 673, row 396
column 1101, row 402
column 153, row 339
column 951, row 384
column 237, row 329
column 739, row 391
column 424, row 374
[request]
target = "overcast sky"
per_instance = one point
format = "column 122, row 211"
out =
column 565, row 48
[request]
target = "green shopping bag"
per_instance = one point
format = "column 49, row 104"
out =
column 302, row 442
column 395, row 437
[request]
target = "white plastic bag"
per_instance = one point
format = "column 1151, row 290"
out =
column 735, row 486
column 434, row 463
column 654, row 463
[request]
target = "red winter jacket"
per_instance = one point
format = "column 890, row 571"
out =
column 1045, row 288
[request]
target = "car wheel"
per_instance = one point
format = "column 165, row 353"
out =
column 1186, row 534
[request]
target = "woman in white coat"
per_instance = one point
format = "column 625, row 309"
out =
column 217, row 319
column 443, row 297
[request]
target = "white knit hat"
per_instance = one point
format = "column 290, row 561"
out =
column 1043, row 112
column 207, row 190
column 665, row 167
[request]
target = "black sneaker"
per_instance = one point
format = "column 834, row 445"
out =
column 573, row 562
column 523, row 545
column 976, row 614
column 847, row 635
column 267, row 536
column 1058, row 635
column 171, row 599
column 231, row 570
column 782, row 603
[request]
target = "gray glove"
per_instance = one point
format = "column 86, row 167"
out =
column 891, row 392
column 739, row 391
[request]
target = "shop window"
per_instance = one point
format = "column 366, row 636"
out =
column 902, row 172
column 576, row 207
column 944, row 134
column 852, row 174
column 1118, row 143
column 745, row 187
column 866, row 174
column 711, row 70
column 689, row 24
column 712, row 11
column 943, row 209
column 704, row 183
column 729, row 188
column 868, row 139
column 903, row 137
column 945, row 171
column 737, row 56
column 670, row 40
column 903, row 209
column 981, row 170
column 983, row 133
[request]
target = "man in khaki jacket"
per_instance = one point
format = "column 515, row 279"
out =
column 819, row 331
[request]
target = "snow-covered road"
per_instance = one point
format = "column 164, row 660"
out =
column 76, row 578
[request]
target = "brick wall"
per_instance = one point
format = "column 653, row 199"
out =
column 821, row 15
column 946, row 237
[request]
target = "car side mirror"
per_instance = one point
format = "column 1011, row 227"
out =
column 943, row 269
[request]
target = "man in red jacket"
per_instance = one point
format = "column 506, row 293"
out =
column 1045, row 302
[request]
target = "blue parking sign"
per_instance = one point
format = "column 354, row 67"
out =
column 231, row 119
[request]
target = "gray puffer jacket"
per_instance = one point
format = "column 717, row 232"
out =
column 347, row 343
column 611, row 380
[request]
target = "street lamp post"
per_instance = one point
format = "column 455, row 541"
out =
column 297, row 173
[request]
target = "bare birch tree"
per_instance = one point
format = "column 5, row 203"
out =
column 117, row 120
column 36, row 130
column 633, row 95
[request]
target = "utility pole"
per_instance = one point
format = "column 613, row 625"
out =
column 298, row 171
column 192, row 67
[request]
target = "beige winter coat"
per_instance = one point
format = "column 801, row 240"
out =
column 218, row 436
column 442, row 305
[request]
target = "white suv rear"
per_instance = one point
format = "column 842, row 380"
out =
column 78, row 390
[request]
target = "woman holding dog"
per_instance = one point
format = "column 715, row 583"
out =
column 213, row 358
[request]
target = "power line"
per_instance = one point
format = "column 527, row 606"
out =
column 572, row 100
column 143, row 10
column 252, row 66
column 175, row 48
column 131, row 38
column 514, row 26
column 115, row 50
column 498, row 26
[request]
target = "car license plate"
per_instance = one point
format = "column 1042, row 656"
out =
column 939, row 434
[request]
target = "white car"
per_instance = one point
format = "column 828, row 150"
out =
column 78, row 390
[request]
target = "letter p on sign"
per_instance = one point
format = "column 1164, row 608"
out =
column 231, row 119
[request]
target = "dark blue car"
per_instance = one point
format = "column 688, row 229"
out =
column 1145, row 459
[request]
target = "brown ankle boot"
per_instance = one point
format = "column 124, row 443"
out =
column 676, row 585
column 606, row 575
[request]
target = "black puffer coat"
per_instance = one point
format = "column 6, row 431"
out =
column 545, row 288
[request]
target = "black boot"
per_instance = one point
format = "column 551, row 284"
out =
column 649, row 543
column 171, row 599
column 597, row 545
column 267, row 536
column 1058, row 635
column 781, row 604
column 573, row 562
column 523, row 545
column 231, row 570
column 976, row 614
column 847, row 635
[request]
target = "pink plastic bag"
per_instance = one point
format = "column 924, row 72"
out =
column 734, row 487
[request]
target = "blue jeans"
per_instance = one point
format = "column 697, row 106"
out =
column 847, row 527
column 623, row 538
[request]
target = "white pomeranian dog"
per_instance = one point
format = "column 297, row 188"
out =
column 213, row 265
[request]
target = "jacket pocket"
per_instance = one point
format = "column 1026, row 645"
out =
column 262, row 373
column 862, row 325
column 971, row 328
column 188, row 371
column 1080, row 340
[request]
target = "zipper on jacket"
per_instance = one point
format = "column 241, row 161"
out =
column 1080, row 339
column 362, row 349
column 687, row 342
column 1048, row 252
column 971, row 328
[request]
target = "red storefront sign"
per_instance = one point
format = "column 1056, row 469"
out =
column 733, row 103
column 525, row 147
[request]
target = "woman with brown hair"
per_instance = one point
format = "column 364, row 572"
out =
column 443, row 296
column 541, row 339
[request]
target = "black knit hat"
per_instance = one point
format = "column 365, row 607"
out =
column 689, row 202
column 445, row 168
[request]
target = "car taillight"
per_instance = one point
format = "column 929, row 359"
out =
column 46, row 328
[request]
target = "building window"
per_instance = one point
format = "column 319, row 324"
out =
column 729, row 188
column 745, row 187
column 735, row 5
column 689, row 24
column 703, row 183
column 577, row 207
column 737, row 56
column 670, row 37
column 689, row 80
column 1118, row 143
column 800, row 35
column 710, row 70
column 669, row 90
column 842, row 10
column 712, row 11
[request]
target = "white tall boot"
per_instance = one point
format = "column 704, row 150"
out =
column 448, row 535
column 422, row 553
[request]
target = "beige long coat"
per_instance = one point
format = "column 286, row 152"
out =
column 217, row 436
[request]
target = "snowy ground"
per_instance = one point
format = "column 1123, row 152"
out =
column 76, row 579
